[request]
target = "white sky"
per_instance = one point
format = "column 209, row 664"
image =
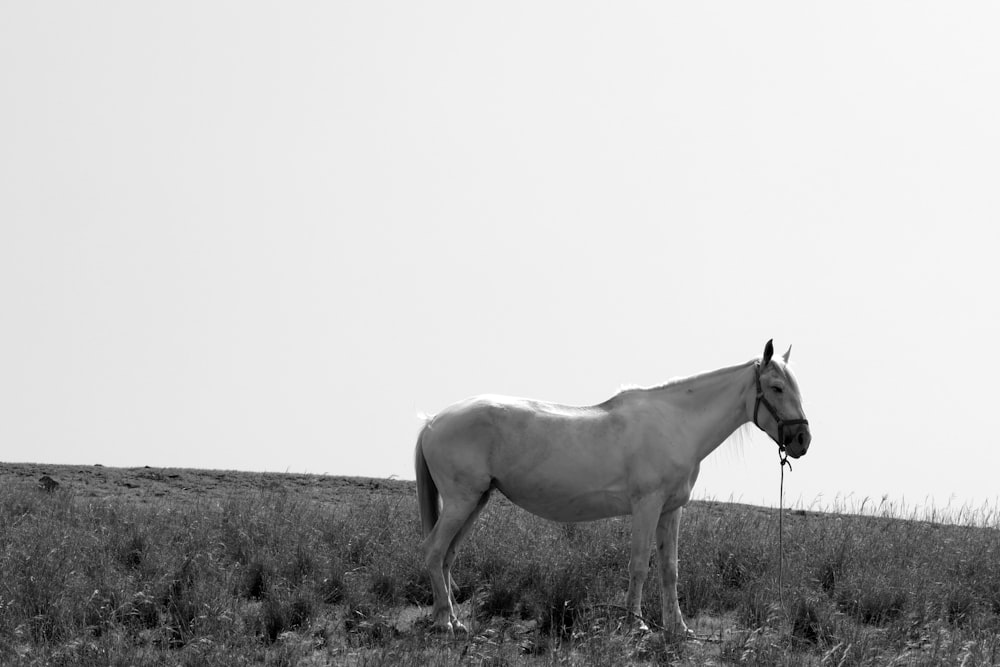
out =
column 263, row 236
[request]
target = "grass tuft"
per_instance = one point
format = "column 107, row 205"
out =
column 560, row 601
column 497, row 601
column 332, row 588
column 385, row 588
column 872, row 599
column 254, row 580
column 812, row 620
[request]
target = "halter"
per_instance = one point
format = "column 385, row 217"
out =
column 774, row 413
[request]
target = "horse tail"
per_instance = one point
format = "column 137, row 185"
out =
column 427, row 491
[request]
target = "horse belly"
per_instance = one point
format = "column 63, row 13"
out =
column 578, row 488
column 580, row 506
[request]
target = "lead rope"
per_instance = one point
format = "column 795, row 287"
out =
column 783, row 460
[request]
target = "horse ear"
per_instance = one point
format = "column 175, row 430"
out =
column 768, row 353
column 787, row 353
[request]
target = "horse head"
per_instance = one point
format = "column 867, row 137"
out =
column 777, row 393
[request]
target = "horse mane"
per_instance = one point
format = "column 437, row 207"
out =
column 672, row 383
column 738, row 439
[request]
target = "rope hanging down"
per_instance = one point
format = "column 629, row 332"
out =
column 783, row 460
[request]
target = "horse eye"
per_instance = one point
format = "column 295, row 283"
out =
column 777, row 390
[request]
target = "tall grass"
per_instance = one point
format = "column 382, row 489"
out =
column 268, row 577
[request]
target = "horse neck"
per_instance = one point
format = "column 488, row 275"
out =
column 716, row 402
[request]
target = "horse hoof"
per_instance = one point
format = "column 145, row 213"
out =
column 443, row 629
column 640, row 628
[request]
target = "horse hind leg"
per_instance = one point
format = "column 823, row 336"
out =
column 449, row 558
column 437, row 546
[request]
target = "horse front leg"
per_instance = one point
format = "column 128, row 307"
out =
column 644, row 515
column 667, row 531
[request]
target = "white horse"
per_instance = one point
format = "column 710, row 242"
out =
column 637, row 453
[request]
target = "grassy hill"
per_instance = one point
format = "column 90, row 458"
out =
column 161, row 566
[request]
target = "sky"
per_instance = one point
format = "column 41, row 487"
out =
column 267, row 236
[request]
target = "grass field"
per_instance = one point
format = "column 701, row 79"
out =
column 154, row 566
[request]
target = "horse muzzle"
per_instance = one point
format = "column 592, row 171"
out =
column 796, row 440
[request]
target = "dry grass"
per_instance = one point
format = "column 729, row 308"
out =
column 146, row 566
